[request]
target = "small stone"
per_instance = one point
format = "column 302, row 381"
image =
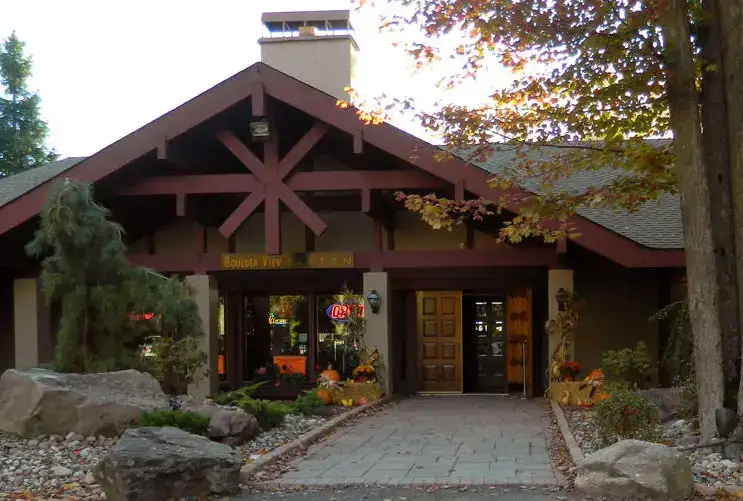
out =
column 33, row 443
column 18, row 481
column 89, row 478
column 75, row 444
column 61, row 471
column 71, row 437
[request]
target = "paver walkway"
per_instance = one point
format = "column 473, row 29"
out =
column 486, row 440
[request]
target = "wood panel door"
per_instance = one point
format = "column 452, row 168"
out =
column 519, row 328
column 440, row 341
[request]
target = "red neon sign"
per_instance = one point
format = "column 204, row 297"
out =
column 141, row 316
column 339, row 312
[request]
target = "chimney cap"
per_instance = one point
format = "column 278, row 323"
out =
column 342, row 17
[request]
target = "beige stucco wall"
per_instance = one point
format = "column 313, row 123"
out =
column 347, row 231
column 25, row 323
column 617, row 311
column 324, row 63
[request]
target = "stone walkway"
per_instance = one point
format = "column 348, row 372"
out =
column 481, row 440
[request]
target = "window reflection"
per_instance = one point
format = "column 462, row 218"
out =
column 288, row 320
column 333, row 346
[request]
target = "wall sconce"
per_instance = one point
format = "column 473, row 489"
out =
column 260, row 130
column 374, row 301
column 561, row 297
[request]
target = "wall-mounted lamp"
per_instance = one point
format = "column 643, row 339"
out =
column 562, row 298
column 260, row 130
column 374, row 301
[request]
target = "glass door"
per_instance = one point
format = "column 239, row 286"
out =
column 489, row 325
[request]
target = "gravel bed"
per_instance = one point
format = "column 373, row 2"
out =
column 53, row 467
column 294, row 426
column 709, row 466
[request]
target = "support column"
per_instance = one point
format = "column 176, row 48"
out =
column 26, row 323
column 378, row 326
column 557, row 279
column 206, row 296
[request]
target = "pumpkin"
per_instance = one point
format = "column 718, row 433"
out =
column 325, row 396
column 331, row 375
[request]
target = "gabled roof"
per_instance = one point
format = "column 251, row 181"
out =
column 29, row 200
column 12, row 187
column 656, row 225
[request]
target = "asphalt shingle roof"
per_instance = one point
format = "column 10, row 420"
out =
column 656, row 225
column 15, row 186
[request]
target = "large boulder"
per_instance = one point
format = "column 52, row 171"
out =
column 41, row 402
column 632, row 469
column 667, row 400
column 153, row 464
column 229, row 425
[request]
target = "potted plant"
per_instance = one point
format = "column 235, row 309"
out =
column 569, row 369
column 363, row 373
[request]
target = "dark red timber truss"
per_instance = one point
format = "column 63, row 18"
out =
column 274, row 179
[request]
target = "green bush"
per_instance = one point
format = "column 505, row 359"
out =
column 268, row 412
column 234, row 397
column 308, row 403
column 689, row 408
column 186, row 421
column 633, row 366
column 626, row 415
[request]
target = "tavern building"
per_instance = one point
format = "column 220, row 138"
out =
column 270, row 198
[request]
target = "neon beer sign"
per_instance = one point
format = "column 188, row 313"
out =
column 339, row 312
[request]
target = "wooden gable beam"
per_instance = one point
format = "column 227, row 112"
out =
column 403, row 145
column 269, row 173
column 299, row 181
column 258, row 99
column 298, row 152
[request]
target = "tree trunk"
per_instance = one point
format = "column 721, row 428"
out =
column 731, row 15
column 683, row 102
column 717, row 165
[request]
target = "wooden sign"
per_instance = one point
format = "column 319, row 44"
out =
column 301, row 260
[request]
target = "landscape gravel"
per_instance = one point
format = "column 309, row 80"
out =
column 56, row 468
column 710, row 468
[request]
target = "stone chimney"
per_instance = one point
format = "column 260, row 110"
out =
column 316, row 47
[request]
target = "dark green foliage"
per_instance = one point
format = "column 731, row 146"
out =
column 269, row 413
column 633, row 366
column 308, row 403
column 235, row 396
column 22, row 131
column 176, row 357
column 85, row 268
column 626, row 415
column 689, row 391
column 186, row 421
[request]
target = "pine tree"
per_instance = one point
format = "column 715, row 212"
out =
column 85, row 268
column 22, row 131
column 101, row 294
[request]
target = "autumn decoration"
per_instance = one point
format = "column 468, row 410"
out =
column 569, row 369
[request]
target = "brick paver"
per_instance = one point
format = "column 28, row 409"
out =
column 485, row 440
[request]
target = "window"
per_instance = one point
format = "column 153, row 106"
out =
column 288, row 321
column 334, row 348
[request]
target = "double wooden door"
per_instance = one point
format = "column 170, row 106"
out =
column 440, row 341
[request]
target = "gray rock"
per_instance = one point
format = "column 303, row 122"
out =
column 38, row 401
column 230, row 425
column 152, row 464
column 636, row 469
column 61, row 471
column 667, row 400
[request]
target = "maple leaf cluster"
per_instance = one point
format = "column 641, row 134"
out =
column 584, row 122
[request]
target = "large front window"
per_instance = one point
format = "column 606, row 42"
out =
column 336, row 347
column 289, row 328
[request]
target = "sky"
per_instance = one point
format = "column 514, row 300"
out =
column 105, row 68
